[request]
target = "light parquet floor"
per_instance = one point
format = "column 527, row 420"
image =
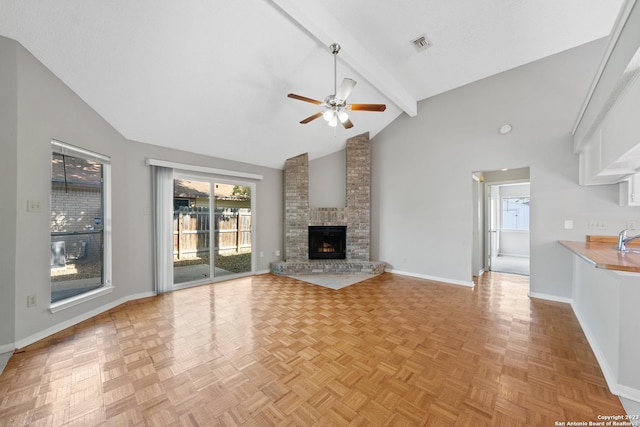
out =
column 270, row 350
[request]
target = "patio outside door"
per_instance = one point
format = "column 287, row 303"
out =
column 212, row 235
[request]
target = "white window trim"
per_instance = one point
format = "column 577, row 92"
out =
column 79, row 299
column 107, row 285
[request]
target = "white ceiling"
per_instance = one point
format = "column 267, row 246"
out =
column 211, row 76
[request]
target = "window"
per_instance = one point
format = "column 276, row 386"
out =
column 515, row 213
column 80, row 215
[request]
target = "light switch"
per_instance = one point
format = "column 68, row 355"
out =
column 33, row 206
column 568, row 224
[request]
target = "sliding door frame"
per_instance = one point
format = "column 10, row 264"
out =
column 212, row 179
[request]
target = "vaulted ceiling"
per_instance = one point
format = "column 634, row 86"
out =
column 211, row 76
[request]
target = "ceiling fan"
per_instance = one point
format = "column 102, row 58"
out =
column 336, row 104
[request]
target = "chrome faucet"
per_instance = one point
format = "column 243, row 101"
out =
column 623, row 240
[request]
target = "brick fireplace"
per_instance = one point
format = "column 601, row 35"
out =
column 355, row 216
column 327, row 242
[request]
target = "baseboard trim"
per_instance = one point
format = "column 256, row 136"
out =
column 607, row 371
column 433, row 278
column 548, row 297
column 75, row 320
column 7, row 348
column 629, row 393
column 609, row 376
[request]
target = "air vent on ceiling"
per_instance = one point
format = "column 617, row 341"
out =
column 421, row 43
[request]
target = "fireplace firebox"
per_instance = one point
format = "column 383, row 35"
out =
column 327, row 242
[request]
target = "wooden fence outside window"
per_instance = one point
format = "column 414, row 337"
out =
column 191, row 233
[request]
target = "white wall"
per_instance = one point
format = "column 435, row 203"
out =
column 595, row 292
column 606, row 304
column 514, row 243
column 47, row 109
column 422, row 200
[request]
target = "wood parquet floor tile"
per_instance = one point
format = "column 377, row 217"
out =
column 269, row 350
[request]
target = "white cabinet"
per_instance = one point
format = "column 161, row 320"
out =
column 630, row 191
column 607, row 132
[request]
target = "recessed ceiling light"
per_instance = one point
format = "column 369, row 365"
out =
column 505, row 129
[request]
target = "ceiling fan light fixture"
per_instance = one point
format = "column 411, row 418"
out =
column 336, row 103
column 328, row 115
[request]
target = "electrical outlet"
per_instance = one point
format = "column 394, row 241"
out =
column 277, row 252
column 631, row 225
column 31, row 301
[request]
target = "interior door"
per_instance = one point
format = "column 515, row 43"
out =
column 493, row 238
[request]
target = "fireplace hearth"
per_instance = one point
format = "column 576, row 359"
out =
column 327, row 242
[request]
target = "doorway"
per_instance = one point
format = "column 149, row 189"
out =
column 501, row 221
column 212, row 230
column 508, row 227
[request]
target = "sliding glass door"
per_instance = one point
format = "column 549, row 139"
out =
column 212, row 229
column 191, row 231
column 232, row 229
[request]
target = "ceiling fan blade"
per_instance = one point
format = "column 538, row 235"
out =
column 308, row 119
column 304, row 98
column 345, row 89
column 347, row 124
column 366, row 107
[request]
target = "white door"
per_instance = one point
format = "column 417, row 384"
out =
column 493, row 224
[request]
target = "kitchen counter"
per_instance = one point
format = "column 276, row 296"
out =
column 605, row 300
column 604, row 255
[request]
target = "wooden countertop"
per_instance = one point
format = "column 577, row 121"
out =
column 603, row 254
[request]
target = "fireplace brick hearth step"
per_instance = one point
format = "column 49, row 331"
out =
column 287, row 268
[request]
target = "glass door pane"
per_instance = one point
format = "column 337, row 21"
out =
column 232, row 230
column 191, row 231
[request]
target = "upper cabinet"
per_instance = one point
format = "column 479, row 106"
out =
column 607, row 133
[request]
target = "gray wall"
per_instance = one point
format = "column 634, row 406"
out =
column 47, row 109
column 422, row 200
column 8, row 195
column 328, row 181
